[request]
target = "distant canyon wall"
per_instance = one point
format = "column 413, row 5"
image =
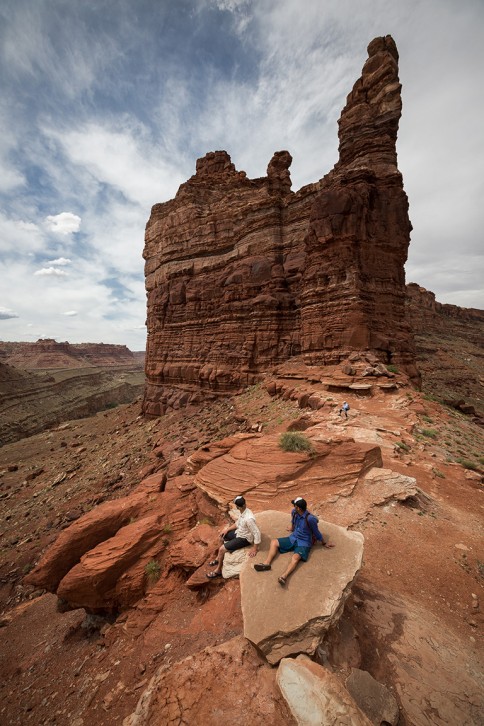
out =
column 47, row 353
column 426, row 316
column 242, row 274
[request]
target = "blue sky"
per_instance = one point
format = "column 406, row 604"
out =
column 105, row 106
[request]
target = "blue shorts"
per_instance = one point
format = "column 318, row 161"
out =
column 285, row 545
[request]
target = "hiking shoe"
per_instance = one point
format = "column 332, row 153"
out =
column 261, row 568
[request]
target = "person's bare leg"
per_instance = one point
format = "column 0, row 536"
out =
column 295, row 559
column 220, row 558
column 273, row 550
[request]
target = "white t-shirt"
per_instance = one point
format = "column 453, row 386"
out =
column 247, row 528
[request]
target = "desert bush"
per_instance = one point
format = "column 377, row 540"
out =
column 467, row 464
column 392, row 368
column 402, row 445
column 294, row 441
column 152, row 571
column 430, row 433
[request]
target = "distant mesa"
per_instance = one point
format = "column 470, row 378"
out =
column 243, row 274
column 47, row 353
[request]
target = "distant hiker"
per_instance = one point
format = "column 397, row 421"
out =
column 344, row 409
column 242, row 533
column 305, row 533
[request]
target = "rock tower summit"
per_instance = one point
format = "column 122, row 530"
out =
column 242, row 274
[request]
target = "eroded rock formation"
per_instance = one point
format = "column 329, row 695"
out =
column 242, row 274
column 450, row 343
column 47, row 353
column 316, row 696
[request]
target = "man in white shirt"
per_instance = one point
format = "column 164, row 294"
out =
column 242, row 533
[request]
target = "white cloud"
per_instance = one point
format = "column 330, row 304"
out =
column 6, row 314
column 71, row 313
column 59, row 261
column 19, row 236
column 122, row 155
column 50, row 272
column 64, row 223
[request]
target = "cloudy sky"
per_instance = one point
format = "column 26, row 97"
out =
column 106, row 104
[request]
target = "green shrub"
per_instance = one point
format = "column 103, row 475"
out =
column 152, row 571
column 402, row 445
column 467, row 464
column 438, row 473
column 427, row 419
column 392, row 368
column 294, row 441
column 430, row 433
column 167, row 529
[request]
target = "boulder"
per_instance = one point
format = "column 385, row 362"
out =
column 88, row 531
column 282, row 621
column 260, row 470
column 192, row 691
column 373, row 698
column 316, row 696
column 192, row 551
column 378, row 486
column 98, row 562
column 95, row 581
column 234, row 561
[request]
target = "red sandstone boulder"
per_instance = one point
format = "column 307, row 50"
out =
column 283, row 621
column 192, row 691
column 258, row 468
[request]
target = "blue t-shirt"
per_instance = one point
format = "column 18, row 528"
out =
column 305, row 525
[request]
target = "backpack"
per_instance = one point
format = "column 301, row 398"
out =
column 305, row 515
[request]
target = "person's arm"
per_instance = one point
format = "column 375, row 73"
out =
column 318, row 535
column 313, row 526
column 255, row 531
column 227, row 528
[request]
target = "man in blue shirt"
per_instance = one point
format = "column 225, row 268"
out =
column 304, row 533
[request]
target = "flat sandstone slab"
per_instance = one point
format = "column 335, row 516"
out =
column 283, row 621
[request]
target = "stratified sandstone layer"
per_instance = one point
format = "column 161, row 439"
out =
column 47, row 353
column 450, row 350
column 242, row 274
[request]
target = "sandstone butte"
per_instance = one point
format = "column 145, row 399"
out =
column 243, row 274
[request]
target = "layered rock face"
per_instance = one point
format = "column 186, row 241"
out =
column 48, row 353
column 450, row 344
column 242, row 274
column 427, row 316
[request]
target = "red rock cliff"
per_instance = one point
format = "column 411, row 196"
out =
column 243, row 273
